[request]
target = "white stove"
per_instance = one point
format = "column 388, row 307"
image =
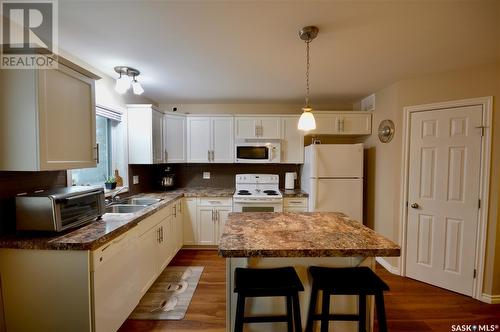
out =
column 257, row 193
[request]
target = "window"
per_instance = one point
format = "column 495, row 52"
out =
column 110, row 137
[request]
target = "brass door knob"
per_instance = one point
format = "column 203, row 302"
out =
column 415, row 206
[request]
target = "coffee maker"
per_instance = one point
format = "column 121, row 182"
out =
column 166, row 180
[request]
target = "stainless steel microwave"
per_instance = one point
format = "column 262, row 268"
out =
column 258, row 151
column 58, row 210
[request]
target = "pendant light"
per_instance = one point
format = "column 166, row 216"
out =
column 307, row 121
column 128, row 77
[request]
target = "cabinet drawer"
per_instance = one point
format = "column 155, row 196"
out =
column 295, row 202
column 215, row 201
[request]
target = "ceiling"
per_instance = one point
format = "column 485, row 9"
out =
column 249, row 51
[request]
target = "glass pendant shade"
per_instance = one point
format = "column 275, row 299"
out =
column 137, row 87
column 122, row 84
column 307, row 121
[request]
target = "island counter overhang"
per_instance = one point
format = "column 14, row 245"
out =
column 271, row 239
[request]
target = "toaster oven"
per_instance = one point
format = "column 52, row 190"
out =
column 58, row 210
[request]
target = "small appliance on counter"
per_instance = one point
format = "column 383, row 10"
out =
column 167, row 179
column 60, row 209
column 290, row 178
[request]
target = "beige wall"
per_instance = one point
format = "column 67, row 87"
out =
column 385, row 160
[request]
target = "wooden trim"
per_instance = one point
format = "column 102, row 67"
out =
column 491, row 299
column 487, row 104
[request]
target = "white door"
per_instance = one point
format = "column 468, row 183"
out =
column 246, row 127
column 148, row 246
column 355, row 124
column 174, row 138
column 67, row 120
column 269, row 128
column 443, row 196
column 337, row 195
column 292, row 144
column 336, row 160
column 198, row 139
column 222, row 136
column 158, row 151
column 206, row 226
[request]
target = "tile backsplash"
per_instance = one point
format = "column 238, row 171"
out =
column 14, row 183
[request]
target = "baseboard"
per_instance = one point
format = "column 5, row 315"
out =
column 491, row 299
column 387, row 265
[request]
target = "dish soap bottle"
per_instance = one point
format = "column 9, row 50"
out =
column 118, row 178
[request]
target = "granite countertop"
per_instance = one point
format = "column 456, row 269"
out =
column 293, row 193
column 100, row 232
column 308, row 234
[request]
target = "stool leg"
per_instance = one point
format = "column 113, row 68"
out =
column 362, row 313
column 240, row 313
column 296, row 312
column 382, row 324
column 312, row 308
column 325, row 311
column 289, row 313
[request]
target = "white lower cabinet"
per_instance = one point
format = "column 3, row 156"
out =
column 190, row 225
column 204, row 219
column 295, row 204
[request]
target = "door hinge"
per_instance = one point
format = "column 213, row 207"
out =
column 479, row 203
column 482, row 129
column 475, row 273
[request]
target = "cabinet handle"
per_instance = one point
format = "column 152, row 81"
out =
column 180, row 207
column 213, row 155
column 218, row 216
column 161, row 234
column 96, row 148
column 208, row 155
column 213, row 218
column 175, row 210
column 166, row 155
column 261, row 131
column 158, row 233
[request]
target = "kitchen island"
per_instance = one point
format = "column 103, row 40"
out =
column 263, row 240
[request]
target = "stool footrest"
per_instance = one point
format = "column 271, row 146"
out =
column 346, row 317
column 265, row 319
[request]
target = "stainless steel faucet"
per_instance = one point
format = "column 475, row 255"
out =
column 114, row 197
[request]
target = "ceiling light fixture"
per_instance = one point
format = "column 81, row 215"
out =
column 307, row 121
column 128, row 76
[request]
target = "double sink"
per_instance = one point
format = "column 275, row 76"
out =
column 131, row 205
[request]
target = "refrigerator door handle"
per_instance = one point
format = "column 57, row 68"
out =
column 314, row 195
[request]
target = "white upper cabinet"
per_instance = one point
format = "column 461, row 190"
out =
column 222, row 139
column 343, row 123
column 292, row 141
column 47, row 119
column 198, row 139
column 210, row 139
column 174, row 138
column 257, row 127
column 145, row 135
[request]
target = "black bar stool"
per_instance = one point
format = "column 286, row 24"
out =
column 359, row 281
column 268, row 282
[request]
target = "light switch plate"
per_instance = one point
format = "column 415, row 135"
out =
column 135, row 179
column 206, row 175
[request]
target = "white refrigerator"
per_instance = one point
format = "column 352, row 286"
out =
column 332, row 175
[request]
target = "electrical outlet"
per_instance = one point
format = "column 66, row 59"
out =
column 135, row 179
column 206, row 175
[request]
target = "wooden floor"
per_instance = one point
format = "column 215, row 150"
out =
column 410, row 305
